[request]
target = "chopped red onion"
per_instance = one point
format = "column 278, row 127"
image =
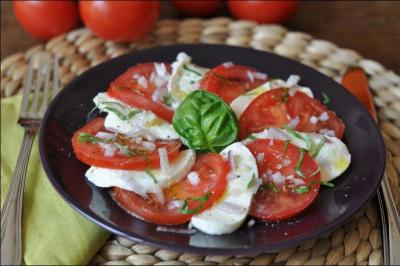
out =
column 276, row 133
column 147, row 145
column 323, row 116
column 173, row 204
column 294, row 122
column 260, row 157
column 105, row 135
column 186, row 231
column 257, row 183
column 231, row 159
column 109, row 149
column 313, row 120
column 278, row 178
column 286, row 162
column 228, row 64
column 298, row 181
column 292, row 80
column 250, row 223
column 193, row 178
column 259, row 75
column 230, row 208
column 164, row 162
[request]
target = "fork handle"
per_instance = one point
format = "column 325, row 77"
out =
column 11, row 226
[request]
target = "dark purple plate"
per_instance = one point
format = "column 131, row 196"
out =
column 333, row 207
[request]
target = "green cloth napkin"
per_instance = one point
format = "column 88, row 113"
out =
column 53, row 233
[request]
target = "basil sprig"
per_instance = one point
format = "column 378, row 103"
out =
column 205, row 122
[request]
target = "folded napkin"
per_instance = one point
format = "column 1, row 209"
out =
column 53, row 233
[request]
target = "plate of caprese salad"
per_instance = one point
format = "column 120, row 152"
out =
column 211, row 149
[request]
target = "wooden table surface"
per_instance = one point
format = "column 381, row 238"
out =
column 371, row 28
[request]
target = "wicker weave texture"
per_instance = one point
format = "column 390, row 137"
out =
column 358, row 242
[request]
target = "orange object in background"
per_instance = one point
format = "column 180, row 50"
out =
column 121, row 21
column 46, row 19
column 263, row 11
column 197, row 8
column 356, row 82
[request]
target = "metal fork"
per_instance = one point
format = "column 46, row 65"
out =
column 30, row 115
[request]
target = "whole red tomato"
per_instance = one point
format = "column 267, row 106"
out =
column 197, row 8
column 46, row 19
column 263, row 11
column 120, row 20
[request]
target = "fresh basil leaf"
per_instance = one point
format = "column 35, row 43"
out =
column 302, row 189
column 205, row 122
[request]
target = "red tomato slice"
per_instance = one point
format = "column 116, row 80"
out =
column 275, row 202
column 230, row 81
column 305, row 107
column 267, row 110
column 136, row 87
column 93, row 154
column 212, row 170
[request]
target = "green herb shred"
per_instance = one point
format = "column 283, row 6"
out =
column 299, row 136
column 302, row 189
column 185, row 67
column 285, row 145
column 327, row 184
column 326, row 99
column 271, row 187
column 318, row 148
column 300, row 163
column 85, row 137
column 251, row 137
column 148, row 169
column 185, row 208
column 251, row 182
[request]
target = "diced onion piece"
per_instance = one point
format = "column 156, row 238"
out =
column 164, row 162
column 147, row 145
column 173, row 204
column 228, row 64
column 286, row 162
column 278, row 178
column 250, row 76
column 260, row 157
column 257, row 183
column 186, row 231
column 193, row 178
column 105, row 135
column 294, row 122
column 292, row 80
column 313, row 120
column 109, row 149
column 323, row 116
column 231, row 159
column 259, row 75
column 298, row 181
column 276, row 133
column 250, row 223
column 230, row 207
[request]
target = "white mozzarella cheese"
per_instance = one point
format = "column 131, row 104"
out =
column 126, row 120
column 240, row 104
column 228, row 214
column 141, row 182
column 333, row 158
column 184, row 79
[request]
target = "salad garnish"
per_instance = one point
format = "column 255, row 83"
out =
column 185, row 208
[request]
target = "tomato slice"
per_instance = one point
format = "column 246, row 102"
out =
column 212, row 170
column 267, row 110
column 280, row 198
column 92, row 153
column 137, row 85
column 229, row 81
column 305, row 107
column 276, row 107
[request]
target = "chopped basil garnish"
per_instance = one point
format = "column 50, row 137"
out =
column 125, row 150
column 185, row 208
column 302, row 189
column 285, row 145
column 299, row 136
column 327, row 184
column 251, row 137
column 298, row 169
column 185, row 67
column 85, row 137
column 318, row 149
column 251, row 182
column 148, row 169
column 270, row 186
column 326, row 99
column 219, row 76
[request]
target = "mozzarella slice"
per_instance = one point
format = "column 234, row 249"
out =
column 141, row 182
column 229, row 213
column 184, row 79
column 240, row 104
column 135, row 122
column 333, row 157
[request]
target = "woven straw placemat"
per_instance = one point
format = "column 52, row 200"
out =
column 358, row 242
